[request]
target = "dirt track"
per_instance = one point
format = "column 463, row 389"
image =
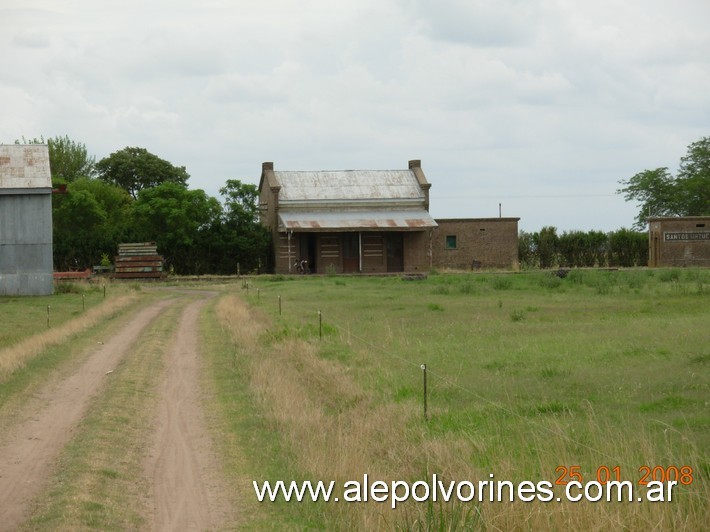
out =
column 185, row 487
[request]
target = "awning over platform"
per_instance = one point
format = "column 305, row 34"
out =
column 374, row 220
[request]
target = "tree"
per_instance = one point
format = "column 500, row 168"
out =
column 628, row 248
column 246, row 241
column 546, row 243
column 68, row 159
column 661, row 194
column 694, row 173
column 89, row 221
column 527, row 255
column 78, row 220
column 135, row 169
column 180, row 222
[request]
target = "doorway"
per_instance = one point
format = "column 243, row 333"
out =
column 307, row 245
column 351, row 253
column 395, row 252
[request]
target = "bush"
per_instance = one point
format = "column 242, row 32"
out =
column 628, row 248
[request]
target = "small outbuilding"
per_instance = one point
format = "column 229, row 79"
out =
column 25, row 220
column 476, row 243
column 679, row 241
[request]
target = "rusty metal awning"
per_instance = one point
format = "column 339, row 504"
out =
column 381, row 220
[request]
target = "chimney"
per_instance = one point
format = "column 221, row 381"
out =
column 415, row 165
column 267, row 166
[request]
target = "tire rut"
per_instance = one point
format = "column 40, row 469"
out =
column 29, row 449
column 187, row 489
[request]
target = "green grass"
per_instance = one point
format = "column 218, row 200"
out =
column 527, row 371
column 24, row 316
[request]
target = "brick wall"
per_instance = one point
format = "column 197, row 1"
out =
column 467, row 243
column 416, row 251
column 679, row 241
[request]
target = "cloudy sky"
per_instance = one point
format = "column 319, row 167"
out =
column 539, row 105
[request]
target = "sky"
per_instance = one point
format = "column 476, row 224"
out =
column 528, row 108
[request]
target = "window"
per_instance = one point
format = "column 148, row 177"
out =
column 450, row 241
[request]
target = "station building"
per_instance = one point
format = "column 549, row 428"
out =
column 373, row 221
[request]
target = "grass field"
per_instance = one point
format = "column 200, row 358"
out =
column 530, row 377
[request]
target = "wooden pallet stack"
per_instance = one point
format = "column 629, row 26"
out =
column 139, row 260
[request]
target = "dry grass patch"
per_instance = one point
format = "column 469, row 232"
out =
column 332, row 427
column 16, row 356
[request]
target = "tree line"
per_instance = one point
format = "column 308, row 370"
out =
column 579, row 249
column 135, row 196
column 657, row 193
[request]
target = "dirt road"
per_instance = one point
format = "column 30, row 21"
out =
column 186, row 490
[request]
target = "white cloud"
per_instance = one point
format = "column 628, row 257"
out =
column 545, row 103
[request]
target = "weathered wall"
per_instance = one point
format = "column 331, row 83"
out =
column 26, row 244
column 679, row 241
column 25, row 220
column 416, row 251
column 480, row 243
column 330, row 254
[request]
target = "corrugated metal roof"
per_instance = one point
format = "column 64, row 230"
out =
column 355, row 220
column 24, row 166
column 348, row 185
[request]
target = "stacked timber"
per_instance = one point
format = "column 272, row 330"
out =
column 139, row 260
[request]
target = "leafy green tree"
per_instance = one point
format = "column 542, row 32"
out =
column 595, row 249
column 546, row 245
column 78, row 220
column 181, row 222
column 89, row 221
column 628, row 248
column 246, row 241
column 694, row 174
column 135, row 169
column 68, row 159
column 661, row 194
column 527, row 254
column 580, row 249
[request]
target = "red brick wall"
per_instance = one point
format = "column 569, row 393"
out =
column 480, row 243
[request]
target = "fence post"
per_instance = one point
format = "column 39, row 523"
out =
column 426, row 414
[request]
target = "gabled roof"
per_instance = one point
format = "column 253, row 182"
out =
column 350, row 200
column 24, row 166
column 348, row 185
